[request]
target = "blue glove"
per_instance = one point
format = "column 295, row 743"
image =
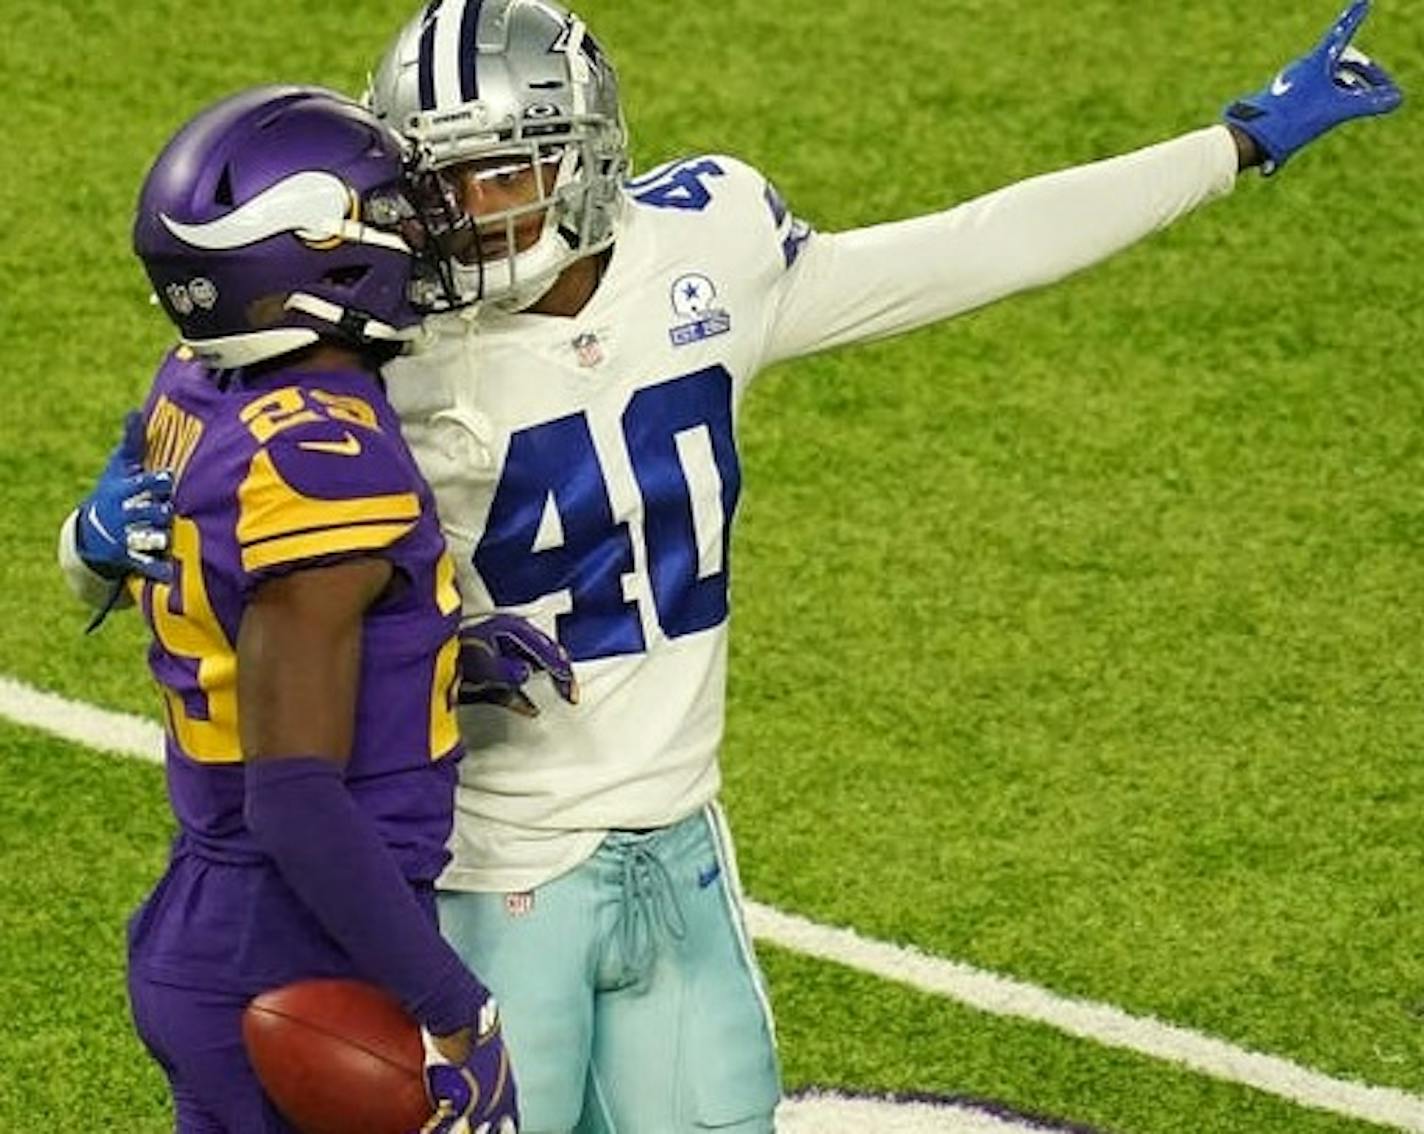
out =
column 1317, row 92
column 500, row 653
column 478, row 1095
column 124, row 525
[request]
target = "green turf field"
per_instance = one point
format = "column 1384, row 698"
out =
column 1079, row 640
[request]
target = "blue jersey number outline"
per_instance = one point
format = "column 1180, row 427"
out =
column 556, row 462
column 681, row 186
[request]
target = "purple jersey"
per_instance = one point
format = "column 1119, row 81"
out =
column 275, row 473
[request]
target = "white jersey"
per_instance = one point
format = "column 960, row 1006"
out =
column 586, row 471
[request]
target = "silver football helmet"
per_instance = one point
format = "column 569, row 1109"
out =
column 520, row 80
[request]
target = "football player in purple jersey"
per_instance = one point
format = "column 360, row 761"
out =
column 304, row 637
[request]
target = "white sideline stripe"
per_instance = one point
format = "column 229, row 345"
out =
column 133, row 736
column 1102, row 1023
column 83, row 724
column 834, row 1114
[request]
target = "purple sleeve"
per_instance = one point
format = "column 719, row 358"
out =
column 300, row 813
column 307, row 497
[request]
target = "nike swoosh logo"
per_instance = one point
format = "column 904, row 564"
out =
column 1280, row 85
column 348, row 446
column 94, row 520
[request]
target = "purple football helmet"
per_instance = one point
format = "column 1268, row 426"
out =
column 279, row 216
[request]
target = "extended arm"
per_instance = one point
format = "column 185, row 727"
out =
column 873, row 282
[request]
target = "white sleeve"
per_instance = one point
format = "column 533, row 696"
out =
column 871, row 282
column 91, row 588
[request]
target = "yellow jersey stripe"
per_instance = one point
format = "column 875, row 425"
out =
column 270, row 508
column 444, row 728
column 447, row 593
column 314, row 545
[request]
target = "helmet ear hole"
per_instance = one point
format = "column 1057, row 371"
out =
column 223, row 193
column 347, row 278
column 266, row 311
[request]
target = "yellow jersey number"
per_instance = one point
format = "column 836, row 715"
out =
column 281, row 409
column 195, row 635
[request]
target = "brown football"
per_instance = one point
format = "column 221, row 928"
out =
column 338, row 1057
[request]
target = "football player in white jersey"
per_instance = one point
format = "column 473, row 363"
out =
column 576, row 416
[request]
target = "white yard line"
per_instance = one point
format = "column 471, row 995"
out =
column 988, row 992
column 75, row 721
column 1102, row 1023
column 840, row 1114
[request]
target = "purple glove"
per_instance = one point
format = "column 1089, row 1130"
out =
column 500, row 653
column 478, row 1095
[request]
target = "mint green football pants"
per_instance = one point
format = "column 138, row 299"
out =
column 631, row 1000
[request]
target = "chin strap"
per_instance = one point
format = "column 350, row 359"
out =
column 355, row 324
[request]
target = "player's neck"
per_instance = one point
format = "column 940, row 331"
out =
column 574, row 287
column 321, row 356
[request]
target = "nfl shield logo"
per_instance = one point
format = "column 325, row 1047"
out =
column 588, row 349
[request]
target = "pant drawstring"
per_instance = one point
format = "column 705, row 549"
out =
column 648, row 910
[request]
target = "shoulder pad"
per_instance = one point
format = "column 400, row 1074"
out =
column 325, row 479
